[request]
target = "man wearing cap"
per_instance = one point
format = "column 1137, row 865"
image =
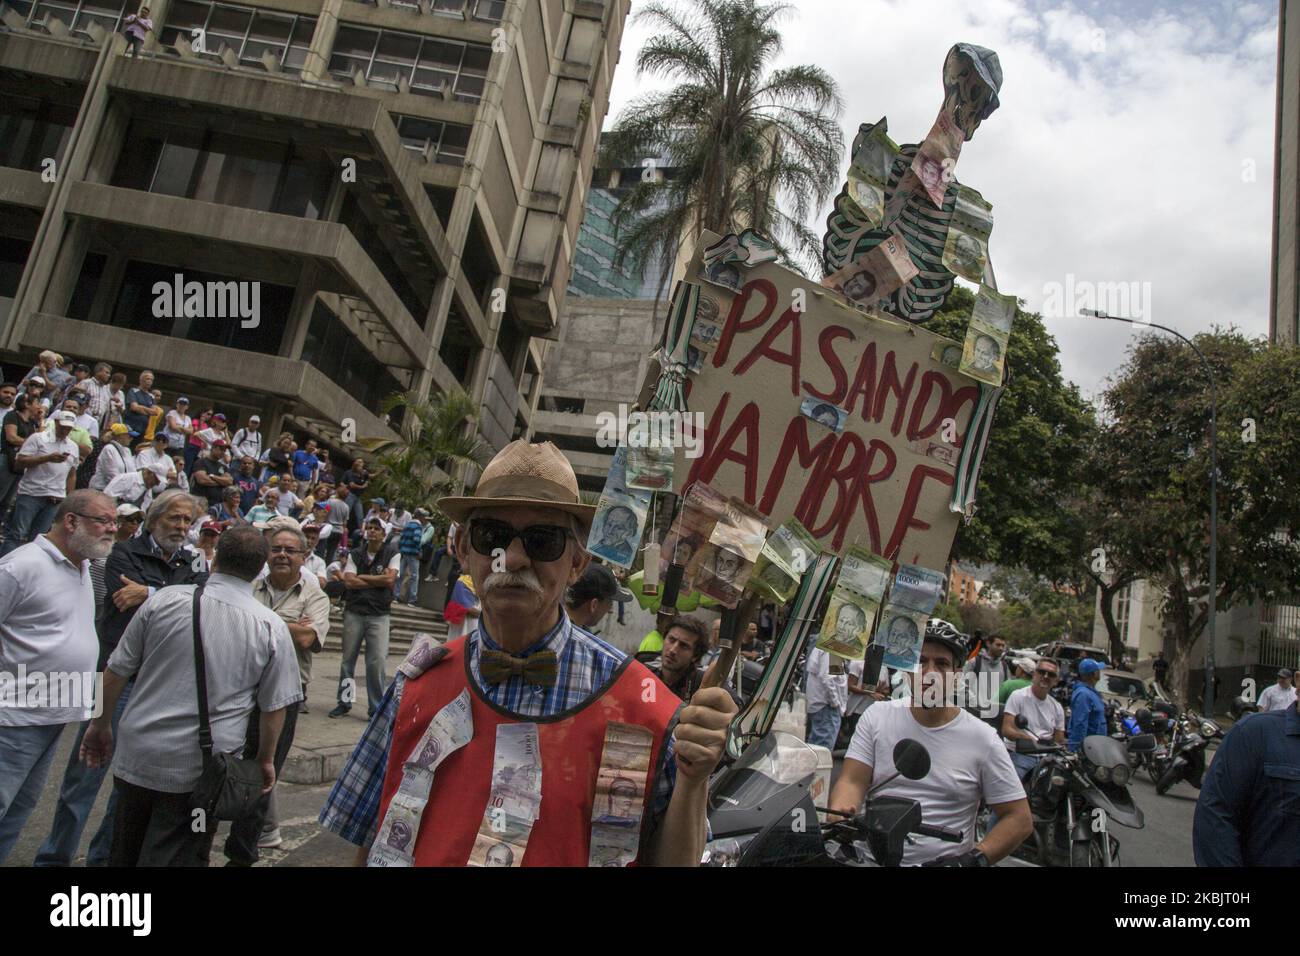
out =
column 211, row 475
column 1087, row 709
column 248, row 440
column 590, row 597
column 369, row 574
column 137, row 487
column 418, row 788
column 178, row 426
column 115, row 457
column 1281, row 695
column 209, row 532
column 49, row 462
column 247, row 483
column 78, row 434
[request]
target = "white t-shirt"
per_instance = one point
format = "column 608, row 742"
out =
column 172, row 429
column 90, row 423
column 48, row 479
column 823, row 689
column 1275, row 698
column 1045, row 716
column 967, row 762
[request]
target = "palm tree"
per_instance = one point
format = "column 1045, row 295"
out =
column 750, row 146
column 435, row 441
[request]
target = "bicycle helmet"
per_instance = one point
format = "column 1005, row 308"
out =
column 937, row 629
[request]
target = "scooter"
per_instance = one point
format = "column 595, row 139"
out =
column 1074, row 797
column 761, row 812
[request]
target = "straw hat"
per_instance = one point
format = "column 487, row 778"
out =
column 537, row 476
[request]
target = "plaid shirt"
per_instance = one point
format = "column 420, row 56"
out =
column 585, row 664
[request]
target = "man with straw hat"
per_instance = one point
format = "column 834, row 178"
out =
column 528, row 740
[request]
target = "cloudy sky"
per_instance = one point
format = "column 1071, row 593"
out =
column 1134, row 144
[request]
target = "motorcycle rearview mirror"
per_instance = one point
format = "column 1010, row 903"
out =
column 911, row 760
column 1022, row 722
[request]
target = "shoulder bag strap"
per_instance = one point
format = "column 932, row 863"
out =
column 201, row 682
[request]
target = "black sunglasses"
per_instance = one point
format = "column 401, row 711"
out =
column 542, row 542
column 1045, row 673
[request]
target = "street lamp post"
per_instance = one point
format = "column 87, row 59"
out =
column 1214, row 497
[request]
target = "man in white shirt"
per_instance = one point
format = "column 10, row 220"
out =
column 289, row 499
column 248, row 440
column 1281, row 695
column 49, row 476
column 137, row 487
column 115, row 457
column 828, row 695
column 1045, row 715
column 156, row 453
column 86, row 421
column 250, row 666
column 79, row 436
column 47, row 628
column 967, row 763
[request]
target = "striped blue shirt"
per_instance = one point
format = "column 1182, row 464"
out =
column 585, row 664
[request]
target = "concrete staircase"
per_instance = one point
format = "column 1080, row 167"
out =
column 406, row 623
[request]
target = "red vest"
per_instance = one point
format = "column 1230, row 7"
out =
column 571, row 744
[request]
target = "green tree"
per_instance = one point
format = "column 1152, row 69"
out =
column 1032, row 481
column 436, row 440
column 1154, row 458
column 1035, row 610
column 751, row 146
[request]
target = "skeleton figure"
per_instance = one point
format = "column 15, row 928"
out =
column 972, row 77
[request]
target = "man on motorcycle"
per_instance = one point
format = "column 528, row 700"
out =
column 1087, row 709
column 968, row 762
column 1046, row 717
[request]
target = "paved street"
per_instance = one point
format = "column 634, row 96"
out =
column 1165, row 840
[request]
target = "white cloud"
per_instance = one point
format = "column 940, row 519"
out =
column 1124, row 165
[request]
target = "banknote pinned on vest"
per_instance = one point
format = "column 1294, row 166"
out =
column 451, row 728
column 425, row 651
column 516, row 799
column 619, row 799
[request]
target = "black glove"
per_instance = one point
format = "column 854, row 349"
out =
column 965, row 858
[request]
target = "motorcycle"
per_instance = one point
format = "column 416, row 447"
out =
column 1074, row 797
column 761, row 812
column 1184, row 759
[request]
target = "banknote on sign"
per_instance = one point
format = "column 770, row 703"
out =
column 901, row 633
column 883, row 270
column 846, row 628
column 916, row 588
column 966, row 250
column 985, row 351
column 873, row 158
column 936, row 158
column 788, row 552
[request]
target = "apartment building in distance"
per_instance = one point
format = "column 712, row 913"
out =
column 403, row 181
column 611, row 326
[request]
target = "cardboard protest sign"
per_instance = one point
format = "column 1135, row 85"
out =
column 886, row 476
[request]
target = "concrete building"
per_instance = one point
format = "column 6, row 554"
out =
column 1284, row 298
column 400, row 184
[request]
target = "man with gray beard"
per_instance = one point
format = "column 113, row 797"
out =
column 136, row 569
column 47, row 631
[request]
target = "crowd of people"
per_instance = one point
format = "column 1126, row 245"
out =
column 104, row 486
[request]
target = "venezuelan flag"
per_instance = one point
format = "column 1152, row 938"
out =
column 462, row 599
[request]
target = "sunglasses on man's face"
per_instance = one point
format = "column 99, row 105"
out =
column 1045, row 673
column 542, row 542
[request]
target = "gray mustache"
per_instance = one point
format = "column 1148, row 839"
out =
column 500, row 579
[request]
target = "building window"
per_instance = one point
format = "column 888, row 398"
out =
column 134, row 309
column 1122, row 603
column 342, row 358
column 78, row 14
column 383, row 57
column 249, row 33
column 491, row 10
column 32, row 131
column 222, row 168
column 436, row 142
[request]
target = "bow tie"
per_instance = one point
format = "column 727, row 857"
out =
column 540, row 668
